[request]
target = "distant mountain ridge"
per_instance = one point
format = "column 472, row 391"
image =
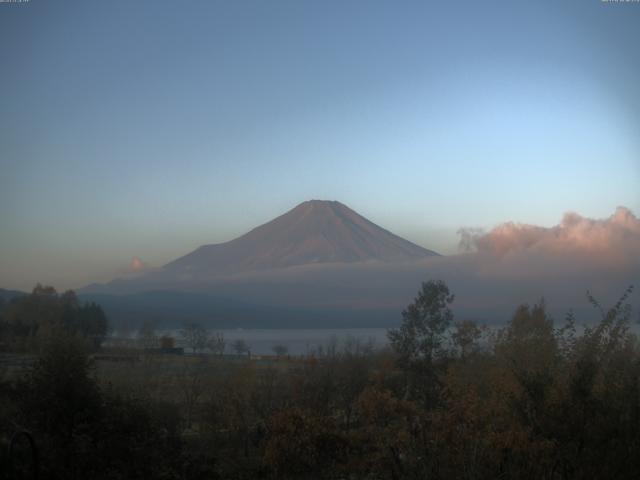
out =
column 8, row 295
column 315, row 231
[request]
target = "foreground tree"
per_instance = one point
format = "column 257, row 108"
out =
column 192, row 385
column 465, row 337
column 419, row 342
column 83, row 431
column 303, row 444
column 419, row 339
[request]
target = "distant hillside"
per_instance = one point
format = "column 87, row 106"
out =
column 7, row 295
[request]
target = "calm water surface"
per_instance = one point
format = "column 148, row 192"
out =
column 297, row 341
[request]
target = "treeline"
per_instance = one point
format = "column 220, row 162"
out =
column 28, row 322
column 447, row 400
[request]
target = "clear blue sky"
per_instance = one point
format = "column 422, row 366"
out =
column 148, row 128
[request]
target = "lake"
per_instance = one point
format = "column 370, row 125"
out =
column 297, row 341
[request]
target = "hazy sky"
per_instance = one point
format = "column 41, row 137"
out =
column 147, row 128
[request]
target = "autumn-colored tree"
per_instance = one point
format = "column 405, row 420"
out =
column 465, row 337
column 387, row 442
column 303, row 444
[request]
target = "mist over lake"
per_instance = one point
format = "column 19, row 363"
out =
column 297, row 341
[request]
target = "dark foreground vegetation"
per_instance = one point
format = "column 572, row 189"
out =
column 448, row 400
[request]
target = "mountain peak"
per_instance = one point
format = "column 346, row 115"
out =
column 326, row 206
column 319, row 203
column 315, row 231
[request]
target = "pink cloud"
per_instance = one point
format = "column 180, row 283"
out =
column 615, row 240
column 137, row 265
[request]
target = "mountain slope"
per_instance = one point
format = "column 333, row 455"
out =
column 313, row 232
column 8, row 295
